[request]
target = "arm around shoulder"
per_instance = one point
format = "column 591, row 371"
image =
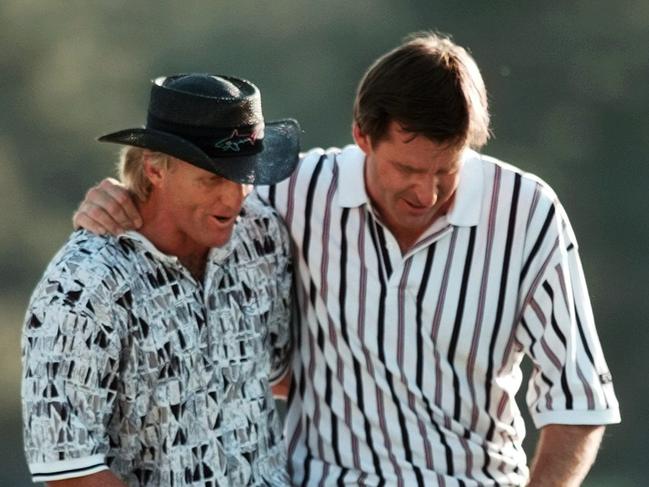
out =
column 108, row 208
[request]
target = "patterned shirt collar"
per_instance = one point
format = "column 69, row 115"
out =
column 217, row 255
column 466, row 208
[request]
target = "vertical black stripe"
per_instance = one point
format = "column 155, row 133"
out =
column 532, row 339
column 584, row 343
column 555, row 326
column 499, row 310
column 384, row 250
column 388, row 375
column 566, row 388
column 458, row 322
column 312, row 291
column 377, row 246
column 342, row 291
column 340, row 481
column 271, row 195
column 312, row 296
column 333, row 420
column 342, row 295
column 420, row 358
column 582, row 335
column 297, row 331
column 538, row 242
column 309, row 208
column 420, row 298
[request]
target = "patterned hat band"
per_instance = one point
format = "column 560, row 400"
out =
column 221, row 142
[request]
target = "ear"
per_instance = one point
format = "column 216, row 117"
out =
column 153, row 172
column 362, row 140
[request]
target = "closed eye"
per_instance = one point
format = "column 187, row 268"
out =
column 407, row 169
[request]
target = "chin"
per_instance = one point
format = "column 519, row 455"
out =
column 220, row 241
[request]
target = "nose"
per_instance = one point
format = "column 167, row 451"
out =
column 425, row 190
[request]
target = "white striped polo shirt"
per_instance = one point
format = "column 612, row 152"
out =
column 408, row 365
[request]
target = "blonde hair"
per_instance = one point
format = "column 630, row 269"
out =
column 130, row 169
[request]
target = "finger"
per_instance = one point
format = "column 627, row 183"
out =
column 81, row 219
column 127, row 213
column 96, row 219
column 101, row 206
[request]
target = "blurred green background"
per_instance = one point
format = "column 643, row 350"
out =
column 569, row 93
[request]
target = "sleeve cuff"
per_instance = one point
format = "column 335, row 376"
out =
column 587, row 417
column 67, row 469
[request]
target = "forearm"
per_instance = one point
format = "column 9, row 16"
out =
column 564, row 455
column 105, row 478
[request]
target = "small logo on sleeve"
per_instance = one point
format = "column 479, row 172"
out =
column 606, row 378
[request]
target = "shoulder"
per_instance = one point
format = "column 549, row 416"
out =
column 537, row 200
column 527, row 183
column 317, row 166
column 78, row 292
column 260, row 221
column 87, row 268
column 318, row 160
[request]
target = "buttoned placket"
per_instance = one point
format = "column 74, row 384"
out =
column 202, row 289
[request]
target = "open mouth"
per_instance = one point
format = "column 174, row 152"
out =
column 224, row 219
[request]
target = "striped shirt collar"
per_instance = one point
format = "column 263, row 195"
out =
column 466, row 208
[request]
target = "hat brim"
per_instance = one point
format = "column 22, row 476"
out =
column 273, row 164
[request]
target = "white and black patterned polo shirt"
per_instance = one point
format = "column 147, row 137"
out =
column 131, row 364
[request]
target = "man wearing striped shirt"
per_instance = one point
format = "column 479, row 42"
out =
column 427, row 271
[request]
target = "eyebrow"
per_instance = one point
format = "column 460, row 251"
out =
column 450, row 169
column 406, row 166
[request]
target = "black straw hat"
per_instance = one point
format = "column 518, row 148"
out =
column 216, row 123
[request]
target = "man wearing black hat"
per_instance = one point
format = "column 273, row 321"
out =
column 148, row 356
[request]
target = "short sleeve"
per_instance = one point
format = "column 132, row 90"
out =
column 70, row 357
column 570, row 382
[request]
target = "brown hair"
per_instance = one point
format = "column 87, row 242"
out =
column 131, row 169
column 430, row 86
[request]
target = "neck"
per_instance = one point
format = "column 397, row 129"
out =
column 159, row 228
column 406, row 236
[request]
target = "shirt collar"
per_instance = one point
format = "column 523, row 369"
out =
column 217, row 255
column 146, row 244
column 466, row 207
column 351, row 164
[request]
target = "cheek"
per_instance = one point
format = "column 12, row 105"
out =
column 186, row 210
column 395, row 182
column 447, row 188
